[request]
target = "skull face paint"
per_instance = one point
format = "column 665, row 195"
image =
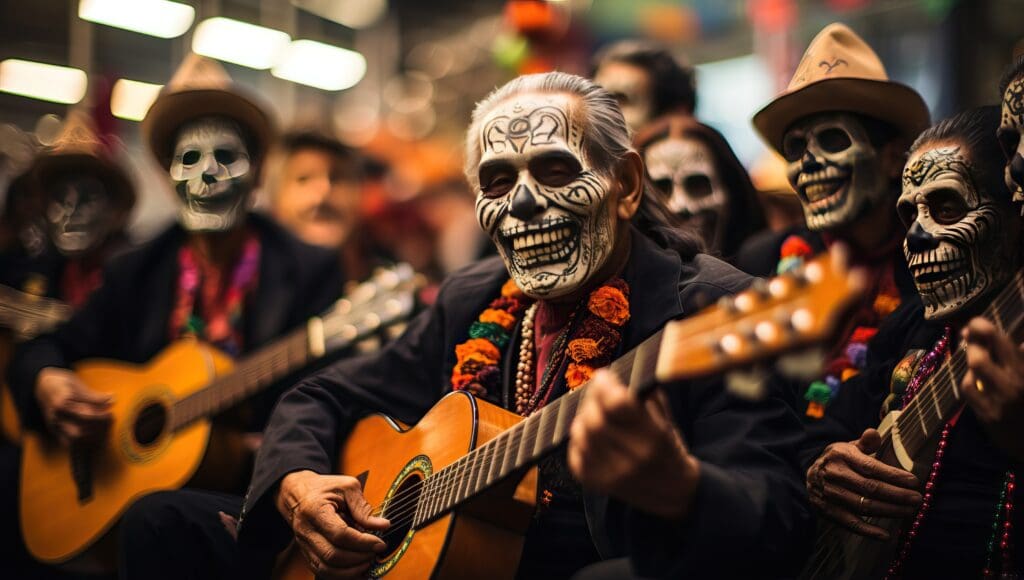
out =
column 953, row 248
column 684, row 170
column 1011, row 129
column 545, row 208
column 211, row 173
column 77, row 216
column 835, row 170
column 631, row 87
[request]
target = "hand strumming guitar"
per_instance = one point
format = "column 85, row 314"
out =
column 327, row 514
column 994, row 384
column 630, row 449
column 73, row 412
column 846, row 483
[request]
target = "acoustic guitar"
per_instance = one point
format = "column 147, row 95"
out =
column 161, row 418
column 909, row 440
column 459, row 488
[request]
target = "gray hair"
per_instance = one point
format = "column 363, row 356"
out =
column 606, row 142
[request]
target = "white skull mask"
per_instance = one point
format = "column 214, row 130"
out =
column 78, row 215
column 211, row 173
column 1011, row 129
column 952, row 246
column 539, row 200
column 836, row 171
column 684, row 170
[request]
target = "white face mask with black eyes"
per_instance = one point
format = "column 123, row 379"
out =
column 545, row 208
column 212, row 175
column 1011, row 131
column 683, row 169
column 78, row 215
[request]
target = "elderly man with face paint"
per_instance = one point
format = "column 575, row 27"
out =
column 843, row 127
column 680, row 485
column 220, row 274
column 963, row 248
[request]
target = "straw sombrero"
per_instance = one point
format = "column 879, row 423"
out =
column 78, row 149
column 201, row 88
column 840, row 72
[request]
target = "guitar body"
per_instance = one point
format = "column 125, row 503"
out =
column 62, row 515
column 480, row 540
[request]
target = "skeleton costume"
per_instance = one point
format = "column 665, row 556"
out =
column 962, row 244
column 1011, row 129
column 831, row 125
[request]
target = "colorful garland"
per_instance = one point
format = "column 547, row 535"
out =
column 476, row 367
column 598, row 337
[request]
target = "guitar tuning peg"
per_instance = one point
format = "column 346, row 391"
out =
column 747, row 384
column 760, row 287
column 806, row 365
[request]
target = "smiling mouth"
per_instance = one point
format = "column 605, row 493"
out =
column 823, row 191
column 930, row 275
column 541, row 244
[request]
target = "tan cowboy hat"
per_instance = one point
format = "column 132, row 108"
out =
column 77, row 149
column 200, row 88
column 840, row 72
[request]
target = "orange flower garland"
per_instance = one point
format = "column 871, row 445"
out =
column 598, row 337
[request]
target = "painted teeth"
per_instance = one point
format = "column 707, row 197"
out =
column 522, row 242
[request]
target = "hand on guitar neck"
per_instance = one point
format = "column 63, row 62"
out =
column 328, row 515
column 994, row 384
column 72, row 411
column 846, row 483
column 629, row 449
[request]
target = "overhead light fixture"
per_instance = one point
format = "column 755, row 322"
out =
column 239, row 42
column 350, row 13
column 320, row 65
column 47, row 82
column 153, row 17
column 131, row 99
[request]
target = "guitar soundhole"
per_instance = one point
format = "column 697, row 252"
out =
column 150, row 423
column 400, row 512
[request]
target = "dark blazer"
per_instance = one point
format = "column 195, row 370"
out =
column 750, row 514
column 128, row 317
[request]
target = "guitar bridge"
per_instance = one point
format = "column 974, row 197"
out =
column 81, row 472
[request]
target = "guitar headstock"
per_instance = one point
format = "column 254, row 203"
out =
column 787, row 313
column 386, row 298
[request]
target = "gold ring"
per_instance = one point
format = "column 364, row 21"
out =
column 979, row 385
column 860, row 506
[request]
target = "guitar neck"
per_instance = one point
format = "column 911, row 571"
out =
column 251, row 375
column 939, row 398
column 29, row 315
column 528, row 441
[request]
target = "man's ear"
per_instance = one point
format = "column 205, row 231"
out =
column 894, row 157
column 631, row 182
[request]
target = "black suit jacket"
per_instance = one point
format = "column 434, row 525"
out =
column 750, row 500
column 128, row 317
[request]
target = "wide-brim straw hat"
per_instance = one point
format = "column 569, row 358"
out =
column 79, row 149
column 202, row 88
column 841, row 73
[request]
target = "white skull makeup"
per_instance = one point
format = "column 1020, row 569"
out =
column 684, row 170
column 211, row 173
column 834, row 168
column 77, row 216
column 539, row 200
column 1011, row 128
column 631, row 87
column 952, row 246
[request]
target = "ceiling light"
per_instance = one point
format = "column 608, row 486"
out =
column 131, row 99
column 350, row 13
column 48, row 82
column 320, row 65
column 153, row 17
column 239, row 42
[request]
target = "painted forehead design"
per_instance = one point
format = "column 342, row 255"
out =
column 934, row 162
column 1013, row 103
column 519, row 124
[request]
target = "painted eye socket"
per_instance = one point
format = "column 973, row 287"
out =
column 908, row 213
column 191, row 157
column 557, row 171
column 947, row 206
column 225, row 156
column 664, row 185
column 1009, row 140
column 497, row 184
column 793, row 147
column 834, row 140
column 697, row 185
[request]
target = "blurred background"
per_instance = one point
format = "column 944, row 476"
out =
column 399, row 77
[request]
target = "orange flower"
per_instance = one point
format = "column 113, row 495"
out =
column 480, row 346
column 510, row 290
column 584, row 349
column 459, row 380
column 499, row 317
column 577, row 374
column 610, row 304
column 885, row 304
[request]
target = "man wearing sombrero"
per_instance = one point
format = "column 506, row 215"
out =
column 221, row 274
column 843, row 128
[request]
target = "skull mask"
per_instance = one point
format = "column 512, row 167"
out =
column 545, row 208
column 684, row 170
column 212, row 175
column 78, row 214
column 1011, row 127
column 953, row 247
column 834, row 168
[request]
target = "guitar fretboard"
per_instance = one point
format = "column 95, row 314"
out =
column 939, row 397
